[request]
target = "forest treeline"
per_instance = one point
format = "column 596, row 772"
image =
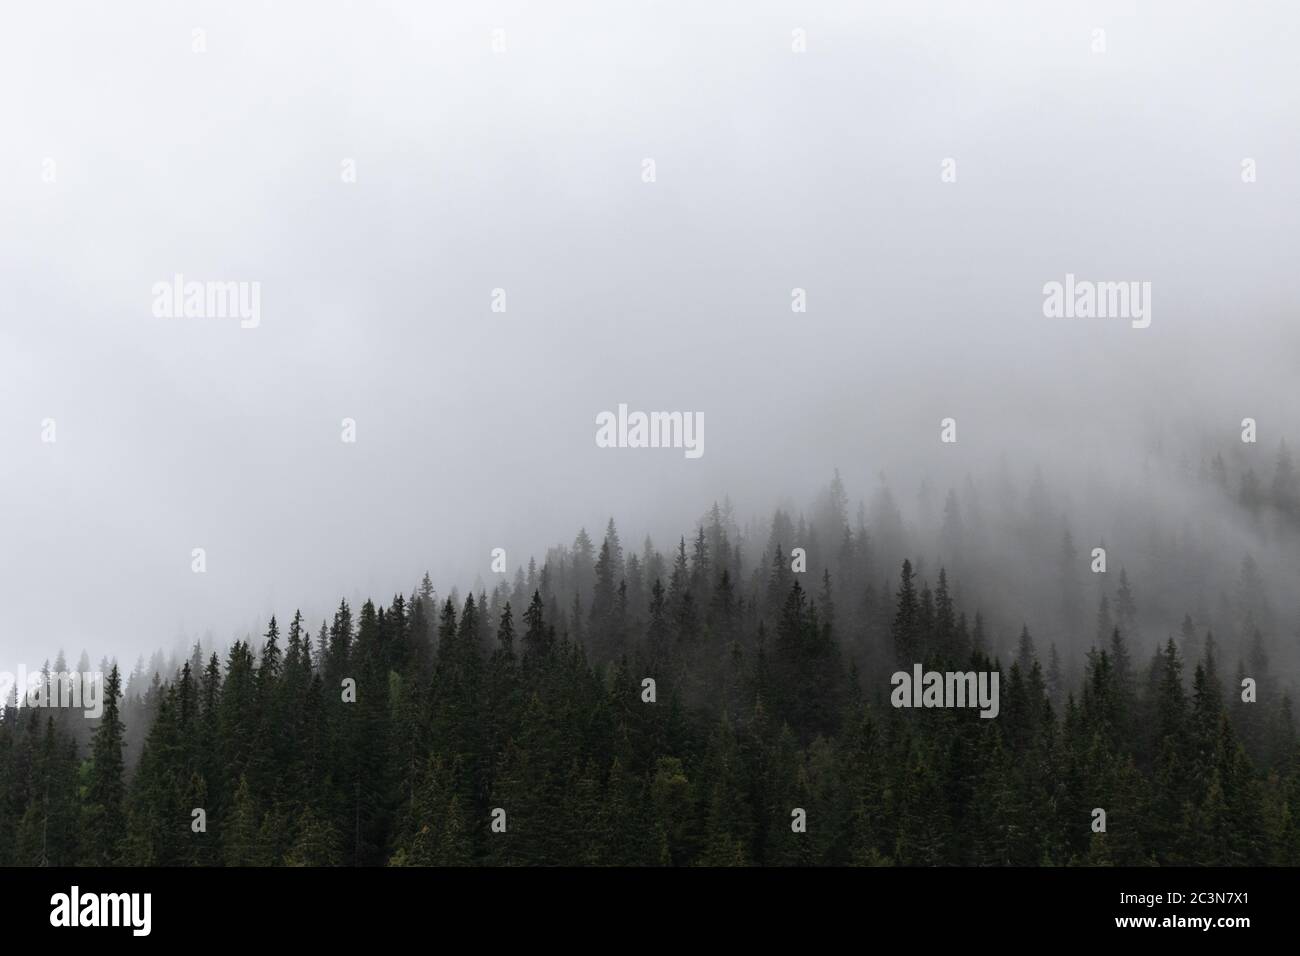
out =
column 390, row 734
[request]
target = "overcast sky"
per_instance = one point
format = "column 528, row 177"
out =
column 523, row 170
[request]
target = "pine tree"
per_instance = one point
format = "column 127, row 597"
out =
column 241, row 843
column 105, row 808
column 316, row 843
column 1126, row 607
column 1105, row 624
column 538, row 638
column 1026, row 654
column 907, row 619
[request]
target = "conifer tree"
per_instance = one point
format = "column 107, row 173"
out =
column 105, row 814
column 907, row 619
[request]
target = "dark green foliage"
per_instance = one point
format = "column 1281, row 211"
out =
column 687, row 712
column 104, row 807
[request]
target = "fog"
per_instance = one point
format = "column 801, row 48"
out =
column 523, row 170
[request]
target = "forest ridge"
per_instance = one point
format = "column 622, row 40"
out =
column 609, row 707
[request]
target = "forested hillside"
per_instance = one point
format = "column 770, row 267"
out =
column 678, row 709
